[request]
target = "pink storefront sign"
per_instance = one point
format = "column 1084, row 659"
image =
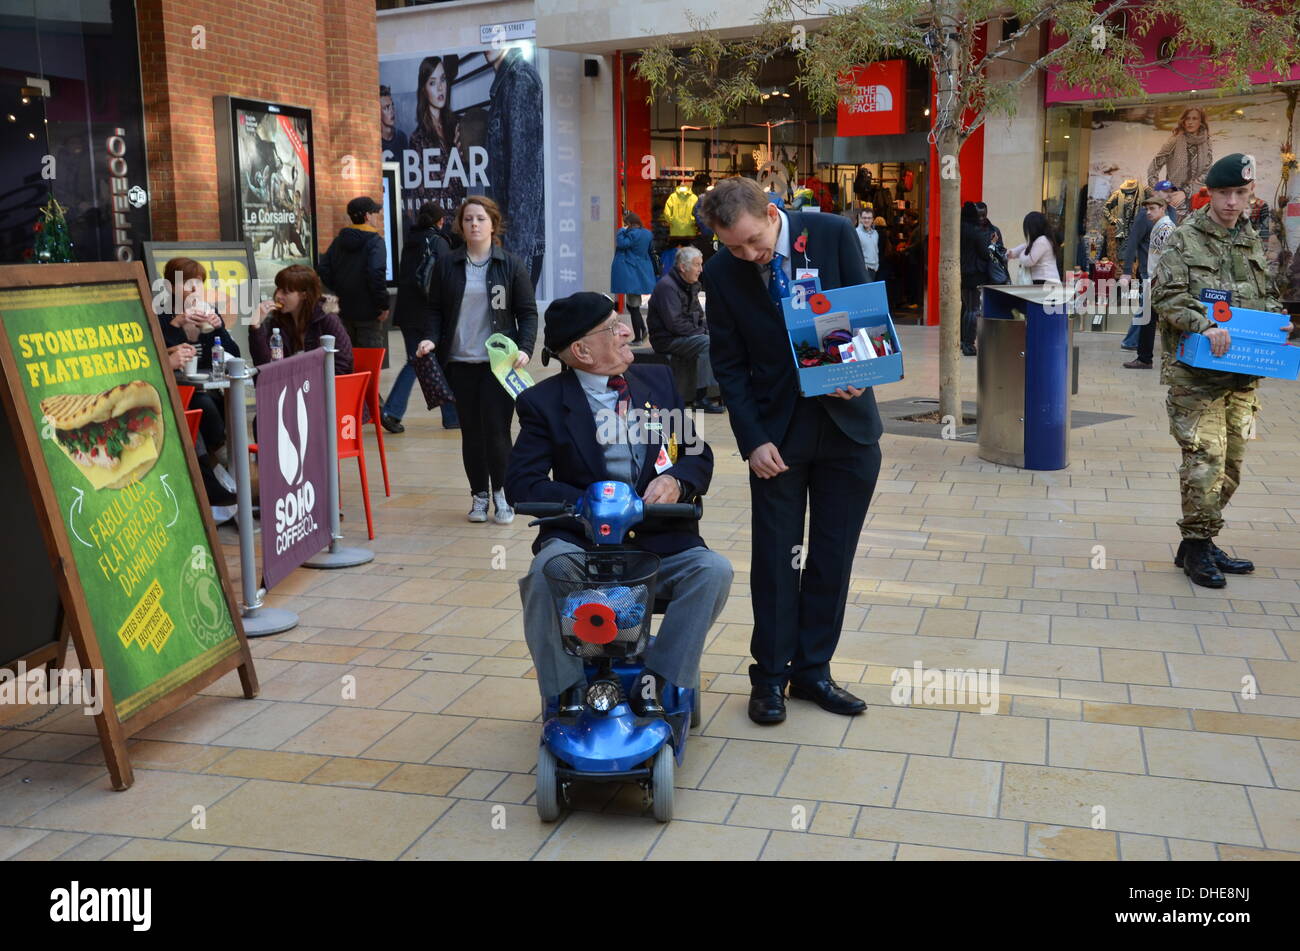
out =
column 1193, row 74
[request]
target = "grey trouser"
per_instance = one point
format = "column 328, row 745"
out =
column 696, row 580
column 691, row 368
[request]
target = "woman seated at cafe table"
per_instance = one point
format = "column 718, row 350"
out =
column 297, row 312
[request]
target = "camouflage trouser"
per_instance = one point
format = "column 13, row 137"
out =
column 1211, row 426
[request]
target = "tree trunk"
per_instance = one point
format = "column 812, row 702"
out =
column 949, row 283
column 949, row 120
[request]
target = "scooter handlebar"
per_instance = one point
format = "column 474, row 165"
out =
column 691, row 510
column 543, row 509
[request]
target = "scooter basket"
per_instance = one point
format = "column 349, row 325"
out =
column 603, row 601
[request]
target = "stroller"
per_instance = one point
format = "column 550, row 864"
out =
column 604, row 601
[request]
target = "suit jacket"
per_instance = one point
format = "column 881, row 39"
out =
column 749, row 346
column 556, row 456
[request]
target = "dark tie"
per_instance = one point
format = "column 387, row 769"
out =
column 778, row 285
column 619, row 385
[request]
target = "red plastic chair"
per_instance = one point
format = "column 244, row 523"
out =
column 187, row 394
column 371, row 360
column 350, row 396
column 192, row 417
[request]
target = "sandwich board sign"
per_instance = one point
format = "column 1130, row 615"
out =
column 91, row 405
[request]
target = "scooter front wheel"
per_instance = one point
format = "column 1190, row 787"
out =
column 548, row 786
column 661, row 786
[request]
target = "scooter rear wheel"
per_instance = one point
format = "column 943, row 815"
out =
column 661, row 786
column 548, row 786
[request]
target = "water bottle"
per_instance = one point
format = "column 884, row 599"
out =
column 277, row 345
column 218, row 360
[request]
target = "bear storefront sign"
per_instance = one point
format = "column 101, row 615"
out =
column 293, row 461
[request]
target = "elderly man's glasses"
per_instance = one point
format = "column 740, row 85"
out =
column 613, row 328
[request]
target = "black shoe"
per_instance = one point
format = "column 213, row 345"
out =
column 1138, row 365
column 830, row 697
column 391, row 423
column 968, row 352
column 1198, row 563
column 647, row 706
column 705, row 406
column 571, row 701
column 1222, row 560
column 451, row 425
column 767, row 704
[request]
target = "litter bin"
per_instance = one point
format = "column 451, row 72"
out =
column 1025, row 337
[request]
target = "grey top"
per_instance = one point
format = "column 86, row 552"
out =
column 474, row 325
column 625, row 452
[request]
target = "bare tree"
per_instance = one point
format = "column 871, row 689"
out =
column 710, row 77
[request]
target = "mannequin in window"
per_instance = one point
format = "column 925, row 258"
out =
column 679, row 212
column 1120, row 210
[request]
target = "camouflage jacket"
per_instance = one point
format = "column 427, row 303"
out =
column 1202, row 253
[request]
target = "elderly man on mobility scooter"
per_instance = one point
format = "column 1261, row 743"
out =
column 600, row 419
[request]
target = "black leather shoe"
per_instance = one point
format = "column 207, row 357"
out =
column 767, row 704
column 1198, row 564
column 391, row 423
column 830, row 697
column 1222, row 560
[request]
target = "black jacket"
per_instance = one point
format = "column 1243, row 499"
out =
column 975, row 255
column 556, row 455
column 749, row 346
column 517, row 319
column 353, row 268
column 674, row 311
column 412, row 308
column 172, row 336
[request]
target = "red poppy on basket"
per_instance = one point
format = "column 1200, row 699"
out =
column 1222, row 311
column 594, row 623
column 819, row 303
column 801, row 242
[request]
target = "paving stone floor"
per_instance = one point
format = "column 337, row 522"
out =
column 1140, row 717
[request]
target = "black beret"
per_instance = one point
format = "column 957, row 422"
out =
column 1231, row 171
column 568, row 318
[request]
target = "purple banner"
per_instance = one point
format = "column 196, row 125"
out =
column 293, row 462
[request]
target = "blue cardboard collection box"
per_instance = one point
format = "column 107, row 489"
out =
column 853, row 324
column 1258, row 347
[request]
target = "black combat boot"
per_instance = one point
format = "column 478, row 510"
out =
column 1222, row 560
column 1198, row 563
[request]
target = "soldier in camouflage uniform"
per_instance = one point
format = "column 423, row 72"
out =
column 1211, row 412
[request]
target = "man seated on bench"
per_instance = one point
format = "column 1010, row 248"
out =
column 677, row 328
column 564, row 446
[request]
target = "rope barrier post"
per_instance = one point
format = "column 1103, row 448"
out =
column 259, row 620
column 336, row 556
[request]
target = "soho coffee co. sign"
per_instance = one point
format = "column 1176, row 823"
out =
column 125, row 195
column 293, row 462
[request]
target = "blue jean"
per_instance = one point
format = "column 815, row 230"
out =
column 1131, row 338
column 400, row 394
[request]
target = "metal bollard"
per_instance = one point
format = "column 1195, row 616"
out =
column 258, row 619
column 336, row 556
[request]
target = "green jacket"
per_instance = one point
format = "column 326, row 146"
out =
column 1202, row 253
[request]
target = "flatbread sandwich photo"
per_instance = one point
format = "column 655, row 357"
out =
column 114, row 437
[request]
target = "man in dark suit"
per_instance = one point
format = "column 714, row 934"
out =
column 601, row 419
column 819, row 453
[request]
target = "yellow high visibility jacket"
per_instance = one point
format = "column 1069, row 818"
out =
column 679, row 211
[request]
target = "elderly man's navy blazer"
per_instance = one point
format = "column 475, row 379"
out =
column 556, row 455
column 750, row 348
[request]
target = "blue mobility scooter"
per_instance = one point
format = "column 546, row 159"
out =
column 604, row 600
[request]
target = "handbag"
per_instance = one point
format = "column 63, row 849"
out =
column 998, row 266
column 432, row 381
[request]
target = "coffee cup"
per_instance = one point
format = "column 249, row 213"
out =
column 192, row 366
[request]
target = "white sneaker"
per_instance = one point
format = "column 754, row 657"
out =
column 479, row 512
column 226, row 480
column 504, row 514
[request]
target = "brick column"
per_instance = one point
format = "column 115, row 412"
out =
column 319, row 54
